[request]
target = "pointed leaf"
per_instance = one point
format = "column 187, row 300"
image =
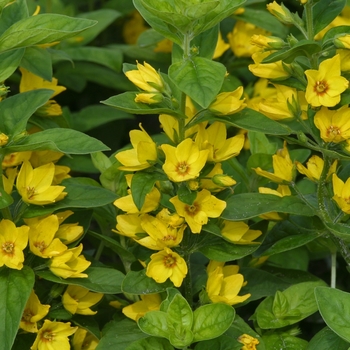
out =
column 9, row 62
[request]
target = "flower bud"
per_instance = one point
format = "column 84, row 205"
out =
column 223, row 180
column 149, row 98
column 280, row 12
column 342, row 41
column 267, row 42
column 3, row 139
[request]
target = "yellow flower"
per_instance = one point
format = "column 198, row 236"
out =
column 280, row 12
column 34, row 185
column 215, row 180
column 221, row 47
column 148, row 98
column 344, row 60
column 30, row 81
column 3, row 139
column 273, row 70
column 53, row 336
column 159, row 235
column 167, row 264
column 314, row 167
column 343, row 41
column 261, row 90
column 13, row 240
column 16, row 158
column 204, row 206
column 249, row 342
column 282, row 190
column 78, row 300
column 129, row 225
column 238, row 232
column 133, row 27
column 70, row 264
column 282, row 167
column 84, row 340
column 239, row 38
column 142, row 155
column 183, row 162
column 42, row 240
column 277, row 107
column 227, row 103
column 224, row 283
column 33, row 312
column 325, row 85
column 148, row 302
column 334, row 125
column 214, row 139
column 8, row 179
column 266, row 42
column 146, row 78
column 341, row 192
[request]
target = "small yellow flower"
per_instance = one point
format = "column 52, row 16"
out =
column 70, row 264
column 78, row 300
column 84, row 340
column 148, row 302
column 13, row 240
column 227, row 103
column 42, row 240
column 334, row 125
column 325, row 85
column 344, row 60
column 34, row 185
column 221, row 47
column 341, row 192
column 214, row 139
column 3, row 139
column 273, row 70
column 282, row 167
column 148, row 98
column 146, row 78
column 280, row 12
column 249, row 342
column 167, row 264
column 16, row 158
column 133, row 27
column 238, row 232
column 183, row 162
column 204, row 206
column 8, row 179
column 314, row 167
column 224, row 283
column 53, row 336
column 129, row 225
column 142, row 155
column 33, row 312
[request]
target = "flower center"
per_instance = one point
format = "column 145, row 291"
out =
column 169, row 261
column 27, row 315
column 8, row 247
column 321, row 87
column 193, row 209
column 168, row 238
column 48, row 336
column 30, row 192
column 333, row 131
column 182, row 168
column 40, row 245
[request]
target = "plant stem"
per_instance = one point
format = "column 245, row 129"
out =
column 188, row 293
column 343, row 249
column 322, row 189
column 309, row 20
column 99, row 250
column 333, row 269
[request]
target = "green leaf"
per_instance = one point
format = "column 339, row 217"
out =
column 59, row 139
column 249, row 205
column 15, row 289
column 5, row 199
column 288, row 307
column 255, row 121
column 302, row 48
column 212, row 320
column 334, row 307
column 126, row 102
column 284, row 342
column 340, row 230
column 259, row 143
column 199, row 78
column 154, row 323
column 9, row 62
column 141, row 184
column 206, row 42
column 38, row 61
column 324, row 12
column 150, row 343
column 42, row 29
column 326, row 339
column 16, row 110
column 88, row 323
column 263, row 19
column 185, row 195
column 109, row 57
column 136, row 282
column 12, row 13
column 120, row 335
column 80, row 195
column 333, row 32
column 100, row 279
column 179, row 319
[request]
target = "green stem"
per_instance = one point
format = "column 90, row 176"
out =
column 343, row 249
column 6, row 214
column 333, row 269
column 99, row 250
column 309, row 20
column 322, row 197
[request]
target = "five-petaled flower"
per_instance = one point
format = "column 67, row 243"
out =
column 325, row 85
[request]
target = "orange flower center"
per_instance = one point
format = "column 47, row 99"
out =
column 8, row 247
column 168, row 238
column 333, row 130
column 40, row 245
column 182, row 168
column 193, row 209
column 30, row 192
column 169, row 261
column 27, row 315
column 321, row 87
column 47, row 336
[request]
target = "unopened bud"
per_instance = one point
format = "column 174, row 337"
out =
column 149, row 98
column 3, row 139
column 342, row 41
column 223, row 180
column 267, row 42
column 280, row 12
